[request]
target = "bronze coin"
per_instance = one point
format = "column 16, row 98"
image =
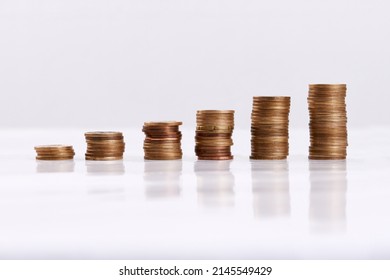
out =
column 103, row 158
column 54, row 158
column 216, row 158
column 97, row 134
column 163, row 123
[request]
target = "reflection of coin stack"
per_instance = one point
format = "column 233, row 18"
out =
column 215, row 183
column 214, row 134
column 105, row 167
column 104, row 145
column 162, row 141
column 162, row 179
column 328, row 121
column 328, row 192
column 269, row 127
column 54, row 152
column 59, row 166
column 270, row 187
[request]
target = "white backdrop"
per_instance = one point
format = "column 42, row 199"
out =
column 120, row 62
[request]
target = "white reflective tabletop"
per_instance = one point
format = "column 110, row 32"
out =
column 189, row 209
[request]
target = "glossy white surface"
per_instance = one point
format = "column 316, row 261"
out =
column 240, row 209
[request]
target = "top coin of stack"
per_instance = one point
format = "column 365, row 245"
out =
column 162, row 141
column 104, row 145
column 269, row 127
column 328, row 121
column 54, row 152
column 213, row 134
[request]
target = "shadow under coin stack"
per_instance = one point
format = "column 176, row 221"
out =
column 213, row 138
column 162, row 141
column 328, row 121
column 269, row 127
column 54, row 152
column 104, row 145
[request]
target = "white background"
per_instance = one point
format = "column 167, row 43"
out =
column 101, row 63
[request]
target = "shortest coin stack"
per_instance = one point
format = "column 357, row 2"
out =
column 162, row 140
column 213, row 136
column 54, row 152
column 104, row 145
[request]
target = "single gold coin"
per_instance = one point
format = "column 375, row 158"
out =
column 163, row 123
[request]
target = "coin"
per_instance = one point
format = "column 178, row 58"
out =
column 109, row 134
column 54, row 152
column 162, row 157
column 54, row 158
column 218, row 112
column 163, row 124
column 104, row 145
column 269, row 127
column 328, row 121
column 213, row 134
column 162, row 140
column 215, row 157
column 103, row 158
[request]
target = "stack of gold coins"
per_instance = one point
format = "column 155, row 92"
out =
column 269, row 127
column 54, row 152
column 162, row 140
column 104, row 145
column 213, row 137
column 328, row 121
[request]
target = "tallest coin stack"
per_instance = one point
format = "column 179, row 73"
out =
column 328, row 121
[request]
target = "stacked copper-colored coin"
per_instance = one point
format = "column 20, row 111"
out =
column 214, row 131
column 269, row 127
column 162, row 141
column 104, row 145
column 54, row 152
column 328, row 121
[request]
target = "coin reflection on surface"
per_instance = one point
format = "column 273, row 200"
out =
column 328, row 189
column 115, row 167
column 58, row 166
column 162, row 178
column 270, row 188
column 215, row 183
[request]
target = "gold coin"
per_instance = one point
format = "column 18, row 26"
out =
column 103, row 134
column 163, row 123
column 215, row 112
column 215, row 158
column 54, row 158
column 103, row 158
column 53, row 147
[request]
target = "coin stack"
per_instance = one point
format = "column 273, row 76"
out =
column 162, row 140
column 269, row 127
column 213, row 137
column 54, row 152
column 328, row 121
column 104, row 145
